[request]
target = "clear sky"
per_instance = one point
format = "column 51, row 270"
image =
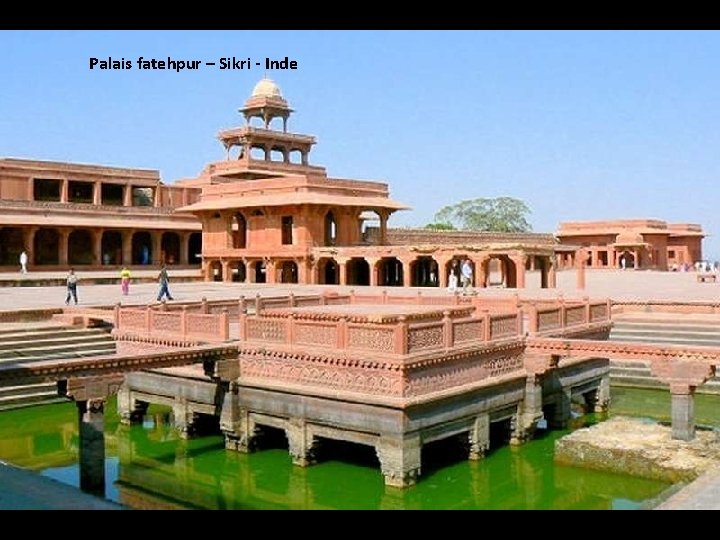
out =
column 579, row 124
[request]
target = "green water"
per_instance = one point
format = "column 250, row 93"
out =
column 148, row 466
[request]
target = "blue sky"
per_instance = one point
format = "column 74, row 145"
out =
column 579, row 124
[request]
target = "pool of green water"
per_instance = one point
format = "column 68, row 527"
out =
column 149, row 466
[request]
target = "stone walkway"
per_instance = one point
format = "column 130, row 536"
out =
column 25, row 490
column 702, row 494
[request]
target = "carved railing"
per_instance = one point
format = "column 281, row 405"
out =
column 566, row 316
column 170, row 325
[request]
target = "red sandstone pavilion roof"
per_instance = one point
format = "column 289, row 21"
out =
column 627, row 228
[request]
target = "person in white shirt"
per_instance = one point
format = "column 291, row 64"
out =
column 466, row 276
column 23, row 262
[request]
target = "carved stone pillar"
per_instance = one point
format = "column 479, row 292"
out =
column 183, row 417
column 97, row 246
column 127, row 195
column 185, row 248
column 64, row 191
column 97, row 193
column 301, row 443
column 29, row 243
column 399, row 459
column 479, row 437
column 373, row 264
column 552, row 280
column 127, row 247
column 520, row 263
column 226, row 271
column 156, row 238
column 130, row 410
column 342, row 273
column 529, row 411
column 683, row 411
column 602, row 401
column 63, row 235
column 91, row 428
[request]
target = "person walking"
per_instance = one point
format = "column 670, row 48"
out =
column 23, row 262
column 466, row 276
column 452, row 281
column 125, row 280
column 164, row 280
column 71, row 282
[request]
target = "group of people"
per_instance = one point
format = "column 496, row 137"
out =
column 465, row 273
column 71, row 284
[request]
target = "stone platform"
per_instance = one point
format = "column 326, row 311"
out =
column 639, row 448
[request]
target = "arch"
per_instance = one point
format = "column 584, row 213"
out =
column 330, row 229
column 195, row 248
column 141, row 248
column 390, row 272
column 238, row 271
column 278, row 153
column 239, row 231
column 454, row 265
column 288, row 272
column 629, row 258
column 424, row 272
column 215, row 269
column 358, row 271
column 170, row 248
column 80, row 247
column 46, row 246
column 295, row 156
column 258, row 152
column 11, row 245
column 500, row 269
column 328, row 271
column 111, row 247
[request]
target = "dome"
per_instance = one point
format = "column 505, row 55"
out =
column 266, row 88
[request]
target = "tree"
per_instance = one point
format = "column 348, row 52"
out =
column 502, row 214
column 440, row 226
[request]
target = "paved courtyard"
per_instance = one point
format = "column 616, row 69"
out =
column 617, row 284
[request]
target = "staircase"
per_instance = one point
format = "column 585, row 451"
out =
column 43, row 341
column 659, row 328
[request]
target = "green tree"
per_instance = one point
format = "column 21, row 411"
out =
column 440, row 226
column 502, row 214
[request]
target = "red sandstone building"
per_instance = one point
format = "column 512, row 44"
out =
column 268, row 215
column 91, row 216
column 641, row 243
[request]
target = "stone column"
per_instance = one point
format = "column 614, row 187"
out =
column 399, row 459
column 127, row 195
column 552, row 279
column 127, row 247
column 580, row 263
column 156, row 239
column 479, row 437
column 183, row 417
column 637, row 258
column 529, row 411
column 130, row 410
column 97, row 193
column 342, row 273
column 301, row 443
column 372, row 263
column 63, row 236
column 683, row 411
column 29, row 243
column 407, row 274
column 602, row 401
column 383, row 227
column 520, row 263
column 91, row 428
column 226, row 271
column 184, row 248
column 97, row 246
column 481, row 272
column 270, row 272
column 64, row 191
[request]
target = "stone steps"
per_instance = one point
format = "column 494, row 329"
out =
column 13, row 397
column 36, row 343
column 658, row 329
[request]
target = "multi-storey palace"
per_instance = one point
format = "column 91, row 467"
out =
column 268, row 215
column 634, row 243
column 68, row 214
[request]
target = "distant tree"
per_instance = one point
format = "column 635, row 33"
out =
column 502, row 214
column 440, row 226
